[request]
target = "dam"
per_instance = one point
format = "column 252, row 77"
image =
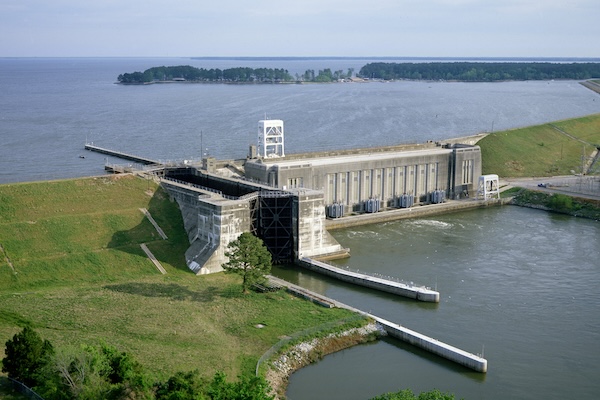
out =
column 288, row 199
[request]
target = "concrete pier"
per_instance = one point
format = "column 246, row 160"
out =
column 119, row 154
column 399, row 332
column 441, row 349
column 401, row 289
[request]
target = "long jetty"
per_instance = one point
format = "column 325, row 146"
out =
column 120, row 154
column 434, row 346
column 420, row 293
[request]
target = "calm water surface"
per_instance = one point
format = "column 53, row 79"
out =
column 50, row 107
column 519, row 285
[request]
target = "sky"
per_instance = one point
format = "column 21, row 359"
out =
column 279, row 28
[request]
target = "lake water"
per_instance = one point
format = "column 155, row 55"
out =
column 517, row 284
column 520, row 285
column 50, row 107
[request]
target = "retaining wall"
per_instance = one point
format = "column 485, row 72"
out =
column 434, row 346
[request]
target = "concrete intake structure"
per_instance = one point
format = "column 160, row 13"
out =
column 401, row 289
column 353, row 178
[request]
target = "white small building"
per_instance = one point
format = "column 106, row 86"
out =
column 488, row 187
column 270, row 138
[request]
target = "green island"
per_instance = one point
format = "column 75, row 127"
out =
column 186, row 73
column 450, row 71
column 72, row 269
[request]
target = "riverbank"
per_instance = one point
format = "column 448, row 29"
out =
column 559, row 203
column 308, row 352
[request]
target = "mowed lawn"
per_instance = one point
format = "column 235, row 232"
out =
column 72, row 268
column 550, row 149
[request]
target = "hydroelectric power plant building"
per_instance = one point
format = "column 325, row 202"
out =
column 285, row 198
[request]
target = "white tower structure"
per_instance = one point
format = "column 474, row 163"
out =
column 488, row 187
column 270, row 138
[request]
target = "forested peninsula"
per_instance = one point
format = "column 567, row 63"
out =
column 448, row 71
column 481, row 72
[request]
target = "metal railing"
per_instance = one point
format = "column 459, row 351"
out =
column 25, row 390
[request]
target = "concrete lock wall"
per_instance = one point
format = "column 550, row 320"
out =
column 212, row 222
column 434, row 346
column 312, row 237
column 411, row 291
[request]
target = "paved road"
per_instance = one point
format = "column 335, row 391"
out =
column 581, row 186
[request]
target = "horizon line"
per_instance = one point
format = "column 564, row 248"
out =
column 332, row 57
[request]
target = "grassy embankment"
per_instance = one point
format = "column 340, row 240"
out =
column 544, row 150
column 72, row 268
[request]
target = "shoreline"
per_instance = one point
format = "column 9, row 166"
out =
column 305, row 353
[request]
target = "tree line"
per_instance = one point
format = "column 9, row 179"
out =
column 102, row 372
column 239, row 74
column 480, row 72
column 189, row 73
column 450, row 71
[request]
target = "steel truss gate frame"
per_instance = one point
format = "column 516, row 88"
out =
column 275, row 224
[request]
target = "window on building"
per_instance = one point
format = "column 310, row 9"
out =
column 294, row 183
column 467, row 172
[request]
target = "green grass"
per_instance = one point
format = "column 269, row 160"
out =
column 81, row 277
column 579, row 207
column 169, row 323
column 541, row 150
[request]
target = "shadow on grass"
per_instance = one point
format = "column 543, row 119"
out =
column 11, row 318
column 166, row 290
column 168, row 217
